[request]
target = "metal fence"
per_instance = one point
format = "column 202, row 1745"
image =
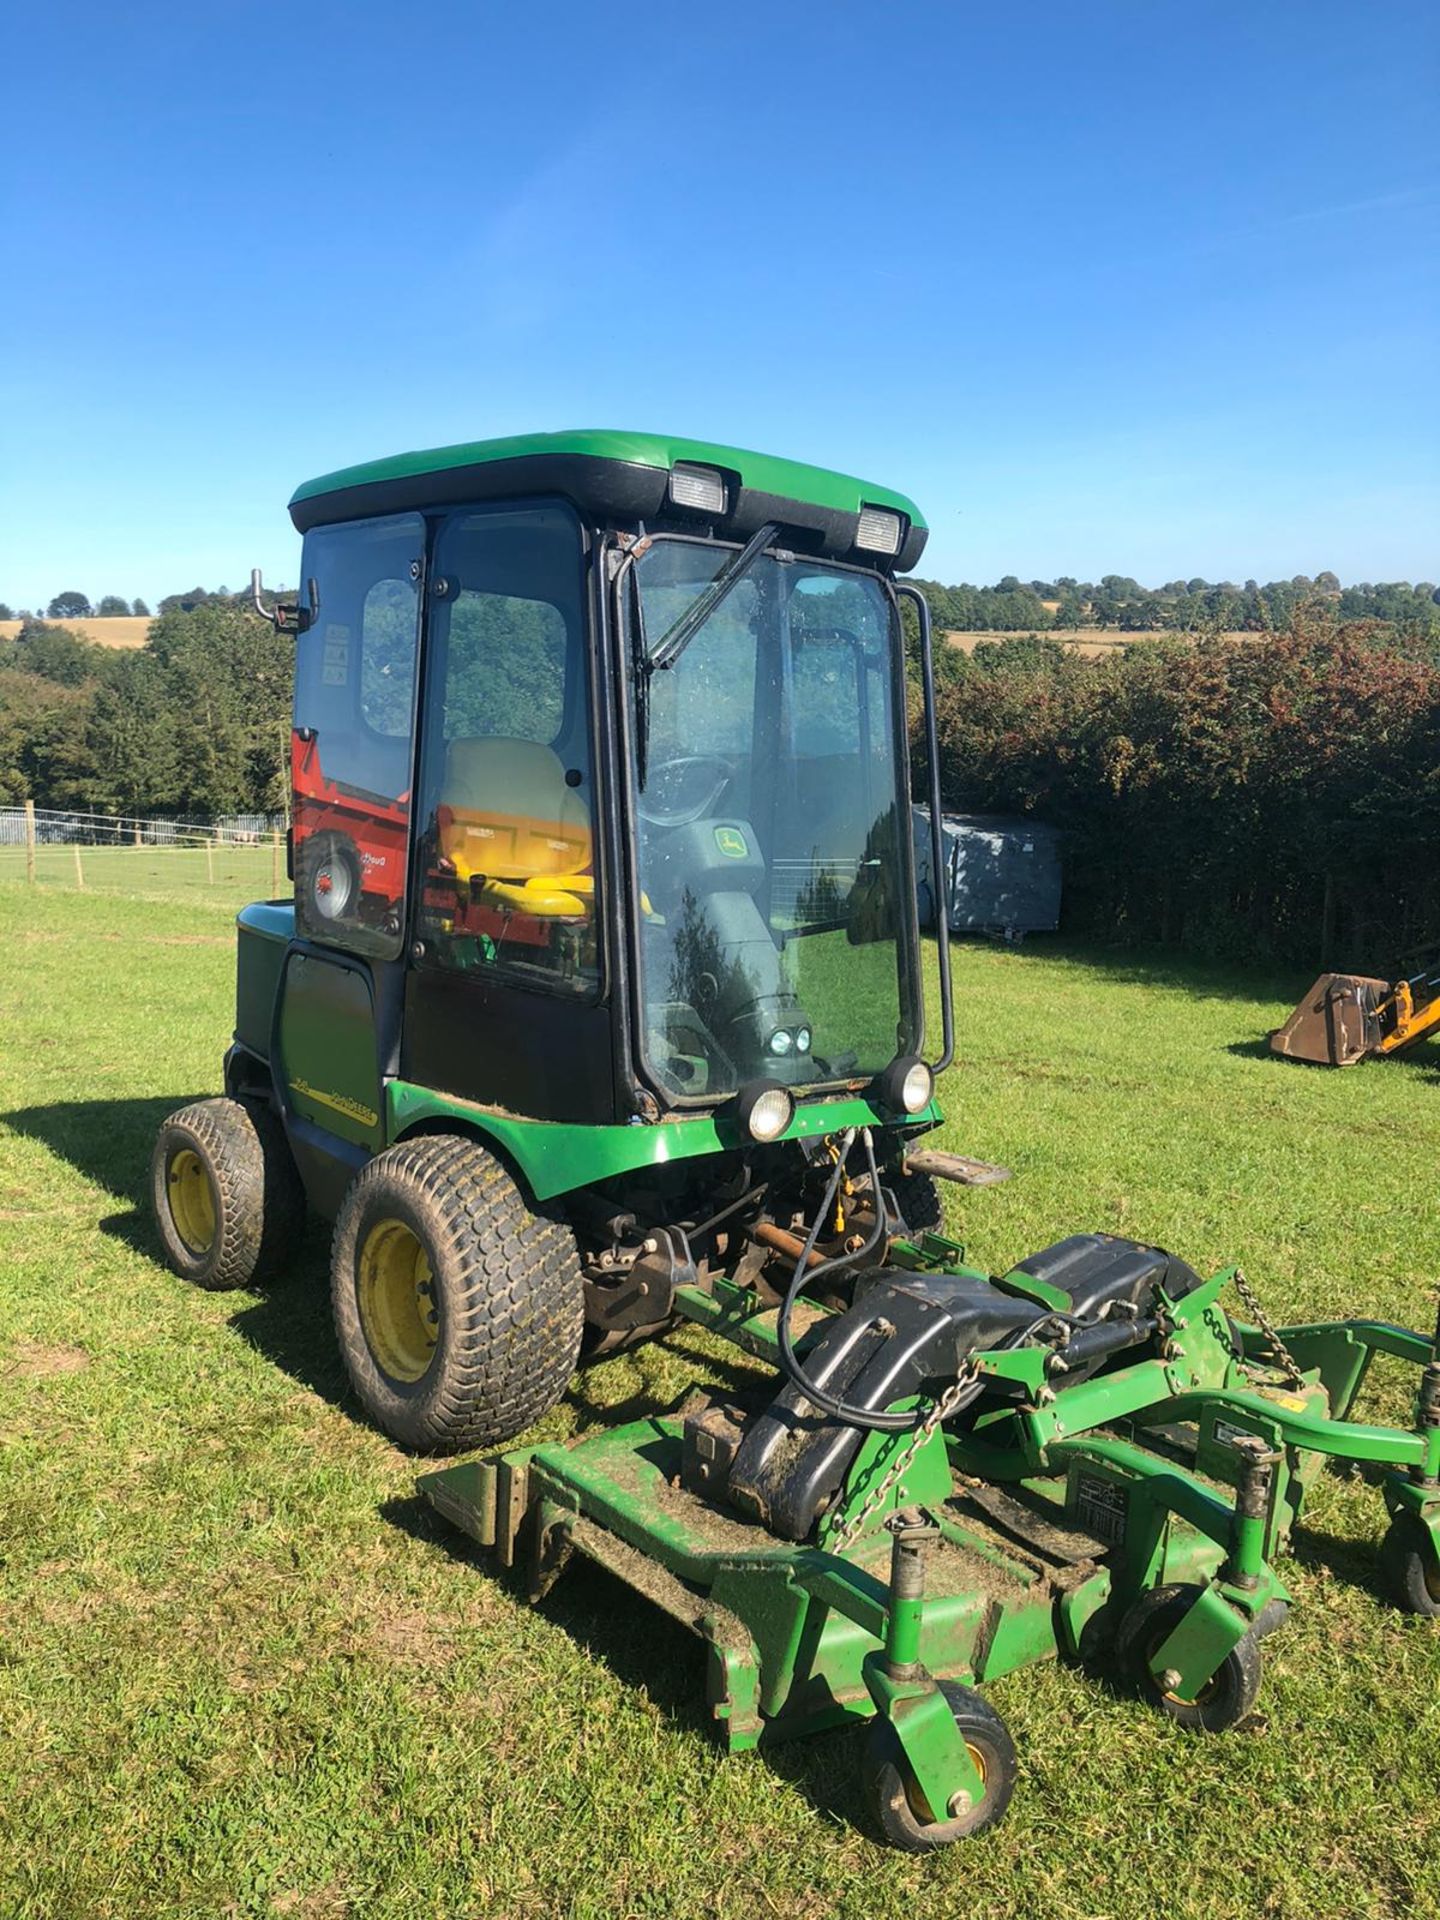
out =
column 227, row 861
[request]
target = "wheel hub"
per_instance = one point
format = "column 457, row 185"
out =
column 192, row 1200
column 395, row 1292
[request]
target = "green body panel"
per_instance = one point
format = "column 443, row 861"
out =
column 326, row 1044
column 789, row 479
column 555, row 1159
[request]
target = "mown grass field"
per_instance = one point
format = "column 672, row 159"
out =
column 242, row 1672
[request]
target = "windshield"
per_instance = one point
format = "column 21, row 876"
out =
column 772, row 827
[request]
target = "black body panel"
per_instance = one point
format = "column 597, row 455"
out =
column 537, row 1054
column 908, row 1334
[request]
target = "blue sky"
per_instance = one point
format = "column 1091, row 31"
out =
column 1136, row 288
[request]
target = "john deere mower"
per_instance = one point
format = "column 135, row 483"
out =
column 598, row 1009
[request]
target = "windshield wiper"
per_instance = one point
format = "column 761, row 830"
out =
column 673, row 642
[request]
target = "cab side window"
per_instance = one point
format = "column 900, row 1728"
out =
column 352, row 744
column 508, row 848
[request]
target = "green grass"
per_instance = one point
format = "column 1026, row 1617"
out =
column 227, row 875
column 243, row 1672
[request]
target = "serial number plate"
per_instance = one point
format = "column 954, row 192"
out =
column 1099, row 1507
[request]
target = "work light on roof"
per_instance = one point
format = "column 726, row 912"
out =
column 698, row 487
column 879, row 532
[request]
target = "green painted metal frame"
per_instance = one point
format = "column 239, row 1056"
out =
column 806, row 1636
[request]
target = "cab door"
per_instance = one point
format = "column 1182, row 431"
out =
column 352, row 749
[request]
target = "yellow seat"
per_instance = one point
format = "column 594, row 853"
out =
column 507, row 820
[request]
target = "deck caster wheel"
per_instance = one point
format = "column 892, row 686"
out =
column 458, row 1310
column 1226, row 1697
column 227, row 1198
column 1407, row 1555
column 901, row 1811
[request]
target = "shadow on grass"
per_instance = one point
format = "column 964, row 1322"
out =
column 109, row 1141
column 653, row 1655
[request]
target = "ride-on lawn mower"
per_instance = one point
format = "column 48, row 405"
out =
column 627, row 1031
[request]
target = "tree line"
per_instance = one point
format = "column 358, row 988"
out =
column 1276, row 797
column 1181, row 606
column 194, row 723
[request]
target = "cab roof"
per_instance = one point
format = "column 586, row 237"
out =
column 619, row 477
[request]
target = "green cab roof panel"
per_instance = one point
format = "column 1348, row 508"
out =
column 620, row 477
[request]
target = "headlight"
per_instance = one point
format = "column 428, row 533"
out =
column 698, row 487
column 764, row 1110
column 780, row 1041
column 878, row 532
column 802, row 1040
column 906, row 1085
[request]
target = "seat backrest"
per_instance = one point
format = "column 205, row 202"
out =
column 505, row 810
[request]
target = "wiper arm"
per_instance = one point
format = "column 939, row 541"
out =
column 673, row 642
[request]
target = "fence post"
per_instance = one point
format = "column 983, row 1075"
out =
column 30, row 842
column 210, row 861
column 79, row 870
column 275, row 864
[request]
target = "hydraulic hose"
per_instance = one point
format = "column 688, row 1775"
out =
column 863, row 1417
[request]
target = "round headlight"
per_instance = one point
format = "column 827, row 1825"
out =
column 906, row 1085
column 764, row 1110
column 802, row 1040
column 917, row 1087
column 780, row 1041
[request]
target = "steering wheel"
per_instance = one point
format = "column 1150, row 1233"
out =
column 670, row 781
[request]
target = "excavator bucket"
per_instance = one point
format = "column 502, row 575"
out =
column 1335, row 1024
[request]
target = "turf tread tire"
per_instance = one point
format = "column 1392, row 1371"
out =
column 259, row 1199
column 507, row 1287
column 918, row 1197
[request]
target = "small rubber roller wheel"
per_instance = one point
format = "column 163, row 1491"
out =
column 458, row 1309
column 227, row 1198
column 1226, row 1697
column 1407, row 1555
column 900, row 1809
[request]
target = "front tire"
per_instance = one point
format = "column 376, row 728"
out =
column 458, row 1310
column 895, row 1801
column 227, row 1198
column 918, row 1197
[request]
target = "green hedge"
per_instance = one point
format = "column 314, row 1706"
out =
column 1276, row 798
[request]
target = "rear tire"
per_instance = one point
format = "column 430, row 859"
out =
column 227, row 1198
column 458, row 1310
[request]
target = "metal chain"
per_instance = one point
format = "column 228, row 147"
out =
column 947, row 1404
column 1251, row 1302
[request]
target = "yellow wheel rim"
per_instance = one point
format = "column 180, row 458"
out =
column 192, row 1200
column 399, row 1314
column 921, row 1807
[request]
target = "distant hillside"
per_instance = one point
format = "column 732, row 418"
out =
column 116, row 632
